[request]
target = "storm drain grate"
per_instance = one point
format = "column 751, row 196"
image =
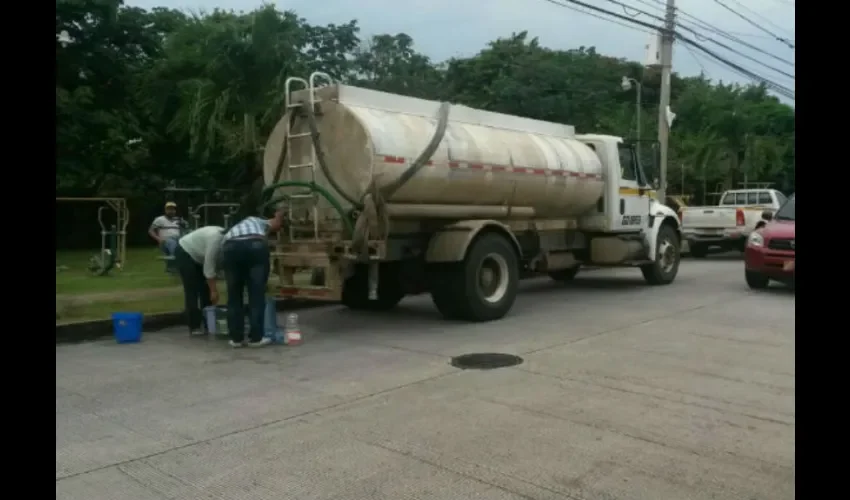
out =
column 485, row 361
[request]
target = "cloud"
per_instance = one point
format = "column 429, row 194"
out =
column 447, row 28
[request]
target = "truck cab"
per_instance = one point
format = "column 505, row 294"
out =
column 628, row 204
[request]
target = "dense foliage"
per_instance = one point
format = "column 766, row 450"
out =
column 147, row 98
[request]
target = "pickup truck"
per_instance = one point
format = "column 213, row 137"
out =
column 727, row 225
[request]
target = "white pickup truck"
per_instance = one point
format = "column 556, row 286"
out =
column 727, row 226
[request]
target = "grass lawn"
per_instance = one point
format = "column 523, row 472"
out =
column 72, row 312
column 142, row 286
column 142, row 270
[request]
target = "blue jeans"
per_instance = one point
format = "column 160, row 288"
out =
column 167, row 248
column 246, row 265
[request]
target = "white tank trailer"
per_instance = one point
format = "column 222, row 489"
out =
column 390, row 195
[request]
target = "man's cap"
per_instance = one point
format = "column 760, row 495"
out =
column 170, row 204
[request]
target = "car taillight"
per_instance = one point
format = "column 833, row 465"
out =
column 739, row 218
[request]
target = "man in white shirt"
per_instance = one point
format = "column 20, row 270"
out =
column 197, row 258
column 166, row 230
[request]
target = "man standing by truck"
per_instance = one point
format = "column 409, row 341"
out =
column 247, row 266
column 166, row 230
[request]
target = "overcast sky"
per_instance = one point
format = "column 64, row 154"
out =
column 445, row 28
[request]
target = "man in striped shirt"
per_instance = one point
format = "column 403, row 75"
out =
column 246, row 265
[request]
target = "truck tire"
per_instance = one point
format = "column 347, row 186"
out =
column 756, row 281
column 698, row 251
column 355, row 290
column 564, row 275
column 443, row 288
column 481, row 288
column 663, row 271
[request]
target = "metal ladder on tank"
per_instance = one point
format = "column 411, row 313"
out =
column 310, row 86
column 306, row 252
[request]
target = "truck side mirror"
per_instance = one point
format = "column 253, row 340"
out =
column 767, row 215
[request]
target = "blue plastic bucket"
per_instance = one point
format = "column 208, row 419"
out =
column 127, row 327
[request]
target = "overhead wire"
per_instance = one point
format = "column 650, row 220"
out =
column 723, row 45
column 729, row 35
column 776, row 87
column 597, row 16
column 755, row 24
column 700, row 36
column 698, row 61
column 759, row 15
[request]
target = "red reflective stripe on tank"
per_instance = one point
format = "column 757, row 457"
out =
column 500, row 168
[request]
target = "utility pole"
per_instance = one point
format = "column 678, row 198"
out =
column 666, row 71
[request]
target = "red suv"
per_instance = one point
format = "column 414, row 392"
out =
column 771, row 251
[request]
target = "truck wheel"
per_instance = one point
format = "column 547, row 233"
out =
column 564, row 274
column 698, row 251
column 481, row 288
column 444, row 288
column 355, row 291
column 756, row 281
column 489, row 280
column 663, row 271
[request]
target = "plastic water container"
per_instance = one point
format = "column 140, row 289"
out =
column 216, row 319
column 270, row 327
column 127, row 327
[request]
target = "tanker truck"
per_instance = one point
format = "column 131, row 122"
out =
column 388, row 196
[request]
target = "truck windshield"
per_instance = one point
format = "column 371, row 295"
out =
column 788, row 211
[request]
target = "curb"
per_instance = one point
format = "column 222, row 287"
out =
column 93, row 330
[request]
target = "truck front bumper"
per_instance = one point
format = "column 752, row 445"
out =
column 775, row 264
column 715, row 237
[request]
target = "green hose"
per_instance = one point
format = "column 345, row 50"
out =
column 314, row 188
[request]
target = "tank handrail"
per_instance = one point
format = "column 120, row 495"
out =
column 287, row 89
column 322, row 75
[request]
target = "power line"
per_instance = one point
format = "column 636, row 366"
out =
column 697, row 59
column 727, row 47
column 758, row 15
column 597, row 16
column 729, row 35
column 780, row 89
column 745, row 56
column 600, row 10
column 757, row 25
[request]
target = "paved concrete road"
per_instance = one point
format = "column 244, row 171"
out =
column 627, row 392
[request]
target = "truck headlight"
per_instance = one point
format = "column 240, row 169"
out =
column 755, row 240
